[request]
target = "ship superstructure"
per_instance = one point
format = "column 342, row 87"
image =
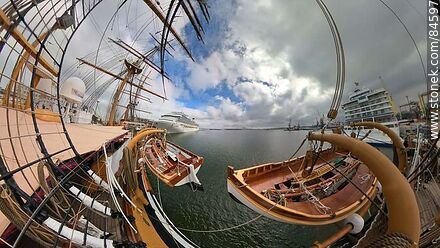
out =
column 365, row 105
column 177, row 122
column 67, row 183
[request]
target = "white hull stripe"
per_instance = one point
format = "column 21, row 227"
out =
column 98, row 180
column 89, row 201
column 75, row 236
column 242, row 199
column 169, row 226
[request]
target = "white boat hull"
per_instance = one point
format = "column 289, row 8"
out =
column 175, row 127
column 188, row 179
column 159, row 215
column 243, row 199
column 375, row 137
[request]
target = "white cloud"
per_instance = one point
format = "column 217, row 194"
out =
column 208, row 73
column 277, row 58
column 268, row 89
column 229, row 109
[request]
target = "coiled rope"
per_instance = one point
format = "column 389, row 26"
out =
column 391, row 240
column 15, row 214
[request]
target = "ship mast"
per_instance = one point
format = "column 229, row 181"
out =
column 30, row 50
column 132, row 70
column 129, row 110
column 34, row 41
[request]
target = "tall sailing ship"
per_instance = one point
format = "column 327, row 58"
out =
column 69, row 183
column 72, row 131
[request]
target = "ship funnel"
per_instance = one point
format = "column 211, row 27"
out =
column 73, row 89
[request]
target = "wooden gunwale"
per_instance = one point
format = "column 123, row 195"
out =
column 290, row 214
column 314, row 187
column 174, row 178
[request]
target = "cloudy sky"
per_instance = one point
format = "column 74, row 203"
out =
column 264, row 62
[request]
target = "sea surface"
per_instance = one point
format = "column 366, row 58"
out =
column 213, row 208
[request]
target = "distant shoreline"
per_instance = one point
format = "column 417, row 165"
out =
column 270, row 128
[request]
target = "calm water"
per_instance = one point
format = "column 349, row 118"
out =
column 213, row 208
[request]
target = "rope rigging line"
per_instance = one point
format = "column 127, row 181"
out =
column 351, row 182
column 67, row 213
column 160, row 199
column 299, row 147
column 74, row 218
column 229, row 228
column 432, row 162
column 158, row 192
column 310, row 196
column 426, row 156
column 81, row 210
column 412, row 39
column 340, row 75
column 365, row 136
column 340, row 61
column 10, row 208
column 377, row 140
column 53, row 191
column 416, row 157
column 102, row 36
column 42, row 46
column 111, row 183
column 413, row 7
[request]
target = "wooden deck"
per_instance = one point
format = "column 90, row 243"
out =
column 428, row 198
column 18, row 144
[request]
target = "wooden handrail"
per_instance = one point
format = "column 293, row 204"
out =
column 148, row 131
column 395, row 138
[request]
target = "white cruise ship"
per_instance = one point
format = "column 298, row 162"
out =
column 177, row 122
column 371, row 105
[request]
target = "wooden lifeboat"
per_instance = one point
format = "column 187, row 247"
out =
column 279, row 190
column 171, row 163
